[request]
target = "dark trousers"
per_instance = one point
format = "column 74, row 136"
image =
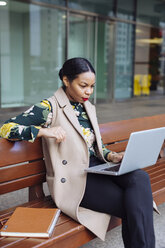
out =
column 127, row 196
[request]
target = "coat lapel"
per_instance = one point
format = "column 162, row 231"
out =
column 67, row 109
column 90, row 109
column 64, row 103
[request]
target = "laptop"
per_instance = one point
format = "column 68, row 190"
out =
column 142, row 150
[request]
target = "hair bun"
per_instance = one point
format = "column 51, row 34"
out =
column 73, row 67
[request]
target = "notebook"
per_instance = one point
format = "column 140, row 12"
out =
column 31, row 222
column 142, row 150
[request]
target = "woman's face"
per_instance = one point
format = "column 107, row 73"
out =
column 81, row 88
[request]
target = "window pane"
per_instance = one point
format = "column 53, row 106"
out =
column 151, row 40
column 101, row 7
column 56, row 2
column 81, row 37
column 149, row 75
column 105, row 61
column 151, row 11
column 125, row 9
column 124, row 60
column 31, row 51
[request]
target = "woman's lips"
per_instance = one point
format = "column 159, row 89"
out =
column 85, row 99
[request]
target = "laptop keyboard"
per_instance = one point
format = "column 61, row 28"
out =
column 114, row 168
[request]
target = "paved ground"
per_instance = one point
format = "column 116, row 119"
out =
column 137, row 107
column 133, row 108
column 114, row 239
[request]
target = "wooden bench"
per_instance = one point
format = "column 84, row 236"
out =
column 22, row 166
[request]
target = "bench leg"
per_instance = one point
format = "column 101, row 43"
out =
column 36, row 192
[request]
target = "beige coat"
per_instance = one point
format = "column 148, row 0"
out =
column 66, row 162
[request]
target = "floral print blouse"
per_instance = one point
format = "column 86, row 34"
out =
column 26, row 125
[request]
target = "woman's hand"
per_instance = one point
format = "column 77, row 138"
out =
column 115, row 157
column 54, row 132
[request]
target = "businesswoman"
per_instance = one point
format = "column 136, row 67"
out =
column 68, row 126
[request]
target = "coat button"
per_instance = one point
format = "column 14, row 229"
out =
column 63, row 180
column 64, row 162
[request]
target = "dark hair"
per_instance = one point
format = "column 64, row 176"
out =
column 75, row 66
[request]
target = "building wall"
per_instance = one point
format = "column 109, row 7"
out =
column 35, row 40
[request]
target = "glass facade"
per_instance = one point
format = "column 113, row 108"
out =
column 32, row 50
column 124, row 60
column 150, row 48
column 52, row 2
column 103, row 7
column 81, row 37
column 126, row 9
column 105, row 60
column 124, row 40
column 151, row 12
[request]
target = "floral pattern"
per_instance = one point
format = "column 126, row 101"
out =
column 87, row 128
column 26, row 125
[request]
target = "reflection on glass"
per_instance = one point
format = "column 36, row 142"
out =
column 3, row 3
column 105, row 61
column 125, row 9
column 82, row 42
column 162, row 58
column 151, row 12
column 100, row 7
column 149, row 60
column 56, row 2
column 31, row 52
column 124, row 60
column 81, row 37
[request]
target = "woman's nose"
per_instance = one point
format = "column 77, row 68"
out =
column 89, row 91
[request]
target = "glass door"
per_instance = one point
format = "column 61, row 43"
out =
column 149, row 78
column 31, row 52
column 92, row 38
column 105, row 61
column 124, row 56
column 81, row 41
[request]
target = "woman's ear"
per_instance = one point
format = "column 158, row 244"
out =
column 65, row 81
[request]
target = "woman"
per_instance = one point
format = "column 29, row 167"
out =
column 71, row 142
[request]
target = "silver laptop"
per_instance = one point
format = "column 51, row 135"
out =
column 142, row 150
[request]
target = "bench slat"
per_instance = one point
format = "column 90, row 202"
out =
column 118, row 147
column 158, row 178
column 159, row 196
column 160, row 162
column 20, row 151
column 68, row 233
column 69, row 229
column 159, row 165
column 10, row 242
column 157, row 171
column 22, row 183
column 160, row 185
column 65, row 232
column 21, row 170
column 120, row 130
column 65, row 226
